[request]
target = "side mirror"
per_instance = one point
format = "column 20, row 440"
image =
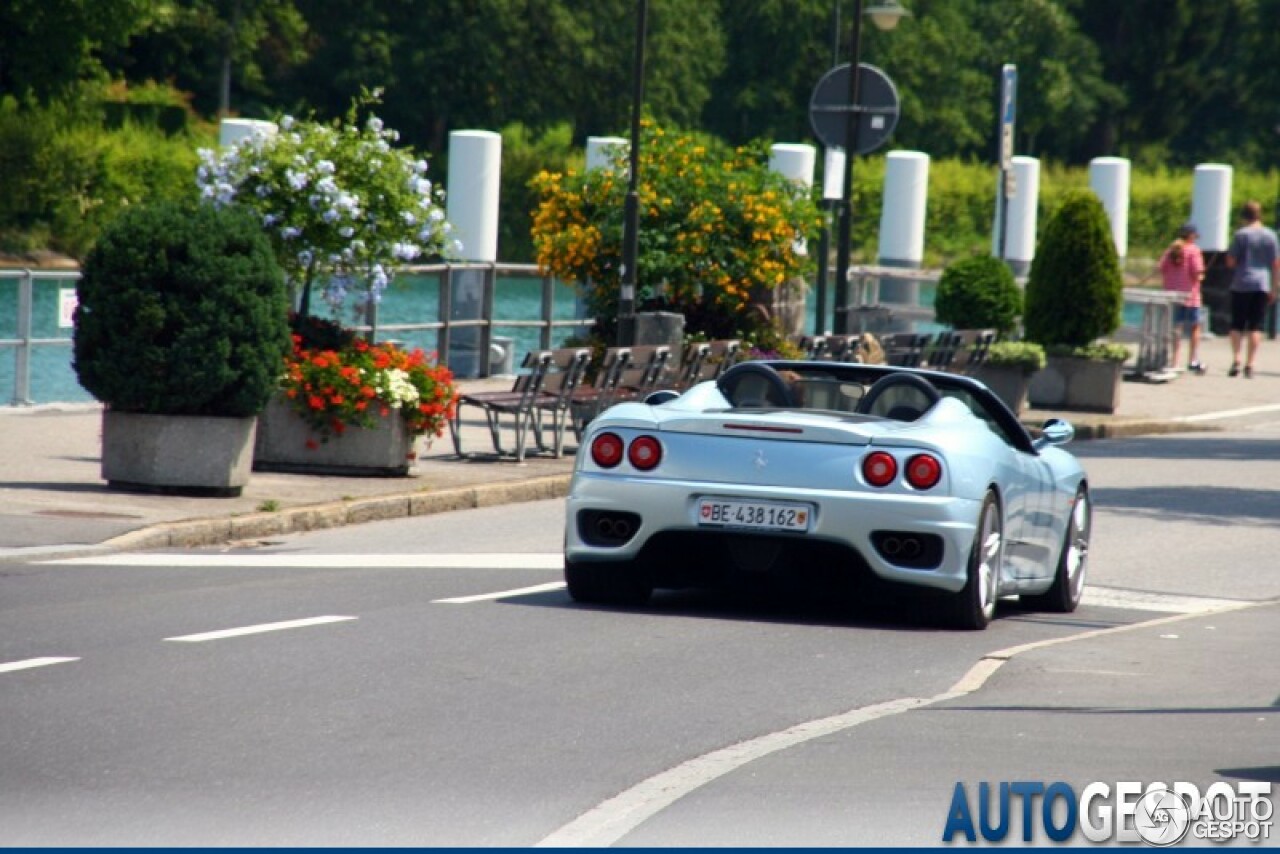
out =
column 1055, row 432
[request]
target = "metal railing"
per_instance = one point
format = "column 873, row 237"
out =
column 455, row 316
column 24, row 341
column 455, row 277
column 468, row 294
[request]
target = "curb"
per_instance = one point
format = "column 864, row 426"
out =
column 197, row 533
column 213, row 532
column 1124, row 429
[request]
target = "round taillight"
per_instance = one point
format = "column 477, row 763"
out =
column 879, row 468
column 645, row 453
column 606, row 450
column 924, row 471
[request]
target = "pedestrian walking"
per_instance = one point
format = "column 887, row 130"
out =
column 1254, row 257
column 1182, row 270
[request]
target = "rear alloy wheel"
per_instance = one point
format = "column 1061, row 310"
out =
column 1068, row 580
column 606, row 583
column 974, row 607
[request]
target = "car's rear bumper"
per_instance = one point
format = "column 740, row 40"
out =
column 666, row 517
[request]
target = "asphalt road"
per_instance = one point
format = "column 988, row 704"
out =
column 392, row 716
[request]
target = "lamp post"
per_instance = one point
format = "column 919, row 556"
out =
column 885, row 16
column 631, row 208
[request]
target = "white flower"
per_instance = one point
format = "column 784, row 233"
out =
column 286, row 123
column 289, row 232
column 346, row 231
column 399, row 390
column 375, row 124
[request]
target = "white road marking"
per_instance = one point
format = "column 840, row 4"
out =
column 27, row 664
column 259, row 629
column 505, row 594
column 607, row 823
column 1142, row 600
column 1228, row 413
column 274, row 560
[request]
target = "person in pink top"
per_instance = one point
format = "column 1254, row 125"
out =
column 1182, row 269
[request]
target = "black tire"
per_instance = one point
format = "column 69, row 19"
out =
column 1064, row 594
column 612, row 583
column 975, row 606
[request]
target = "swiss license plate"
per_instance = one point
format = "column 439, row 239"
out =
column 764, row 515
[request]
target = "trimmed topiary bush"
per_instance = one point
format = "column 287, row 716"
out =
column 978, row 293
column 1075, row 292
column 182, row 311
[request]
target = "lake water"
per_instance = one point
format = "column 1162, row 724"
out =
column 411, row 299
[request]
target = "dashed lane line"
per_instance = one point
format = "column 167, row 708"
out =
column 259, row 629
column 504, row 594
column 28, row 663
column 272, row 560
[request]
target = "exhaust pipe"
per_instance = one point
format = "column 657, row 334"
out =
column 608, row 528
column 910, row 548
column 891, row 546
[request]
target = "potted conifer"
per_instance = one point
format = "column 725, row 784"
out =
column 180, row 329
column 981, row 293
column 1074, row 298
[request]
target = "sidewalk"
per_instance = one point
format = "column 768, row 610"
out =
column 53, row 500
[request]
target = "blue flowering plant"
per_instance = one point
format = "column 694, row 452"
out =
column 343, row 206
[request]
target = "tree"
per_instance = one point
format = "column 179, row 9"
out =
column 752, row 98
column 226, row 53
column 48, row 46
column 487, row 63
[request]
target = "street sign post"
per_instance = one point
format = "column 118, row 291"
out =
column 1008, row 184
column 877, row 107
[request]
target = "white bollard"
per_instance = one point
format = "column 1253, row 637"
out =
column 1020, row 238
column 475, row 167
column 1211, row 205
column 794, row 161
column 1109, row 179
column 231, row 131
column 603, row 151
column 902, row 217
column 902, row 214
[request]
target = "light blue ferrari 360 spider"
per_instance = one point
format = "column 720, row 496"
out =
column 909, row 478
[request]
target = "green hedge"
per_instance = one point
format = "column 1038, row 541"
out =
column 64, row 174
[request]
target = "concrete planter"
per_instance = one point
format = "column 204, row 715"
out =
column 1069, row 382
column 385, row 450
column 1010, row 384
column 177, row 454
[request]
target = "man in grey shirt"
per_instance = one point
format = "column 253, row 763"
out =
column 1254, row 256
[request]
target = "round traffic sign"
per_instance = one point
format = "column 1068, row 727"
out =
column 877, row 108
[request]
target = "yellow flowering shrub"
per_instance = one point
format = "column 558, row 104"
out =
column 718, row 231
